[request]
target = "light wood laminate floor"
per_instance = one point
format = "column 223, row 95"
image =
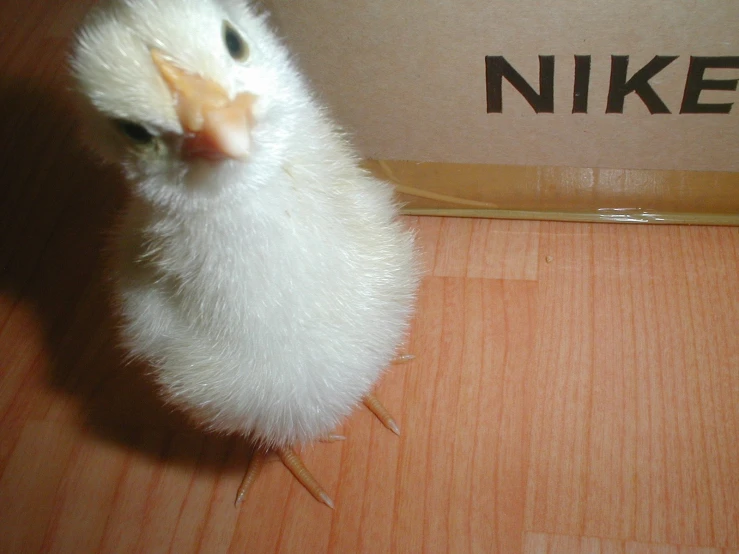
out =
column 576, row 386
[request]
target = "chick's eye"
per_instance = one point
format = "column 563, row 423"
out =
column 234, row 43
column 137, row 133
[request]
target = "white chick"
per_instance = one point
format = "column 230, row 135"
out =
column 260, row 271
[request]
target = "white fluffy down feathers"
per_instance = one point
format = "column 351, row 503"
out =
column 267, row 294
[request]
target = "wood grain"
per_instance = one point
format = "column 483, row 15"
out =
column 636, row 397
column 543, row 543
column 486, row 248
column 576, row 386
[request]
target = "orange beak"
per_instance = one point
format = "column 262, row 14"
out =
column 215, row 126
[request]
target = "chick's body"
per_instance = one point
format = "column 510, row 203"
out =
column 270, row 313
column 269, row 289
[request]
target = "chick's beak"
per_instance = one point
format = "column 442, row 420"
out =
column 215, row 126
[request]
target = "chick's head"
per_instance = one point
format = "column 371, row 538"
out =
column 169, row 86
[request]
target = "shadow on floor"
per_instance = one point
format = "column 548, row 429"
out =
column 56, row 205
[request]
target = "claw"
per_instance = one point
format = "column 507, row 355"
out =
column 403, row 358
column 293, row 462
column 381, row 412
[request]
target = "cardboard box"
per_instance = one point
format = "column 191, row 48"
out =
column 534, row 106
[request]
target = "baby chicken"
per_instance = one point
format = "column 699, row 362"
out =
column 262, row 274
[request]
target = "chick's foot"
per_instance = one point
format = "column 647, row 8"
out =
column 252, row 472
column 381, row 412
column 292, row 461
column 403, row 359
column 376, row 407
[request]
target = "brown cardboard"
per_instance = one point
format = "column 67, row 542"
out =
column 408, row 79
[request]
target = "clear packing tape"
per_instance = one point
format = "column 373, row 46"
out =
column 563, row 193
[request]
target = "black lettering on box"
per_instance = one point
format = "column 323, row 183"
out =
column 639, row 83
column 695, row 83
column 497, row 67
column 582, row 84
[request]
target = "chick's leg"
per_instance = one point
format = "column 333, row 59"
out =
column 291, row 461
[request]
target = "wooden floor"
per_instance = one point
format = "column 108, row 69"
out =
column 576, row 387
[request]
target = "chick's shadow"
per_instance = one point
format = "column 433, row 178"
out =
column 57, row 207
